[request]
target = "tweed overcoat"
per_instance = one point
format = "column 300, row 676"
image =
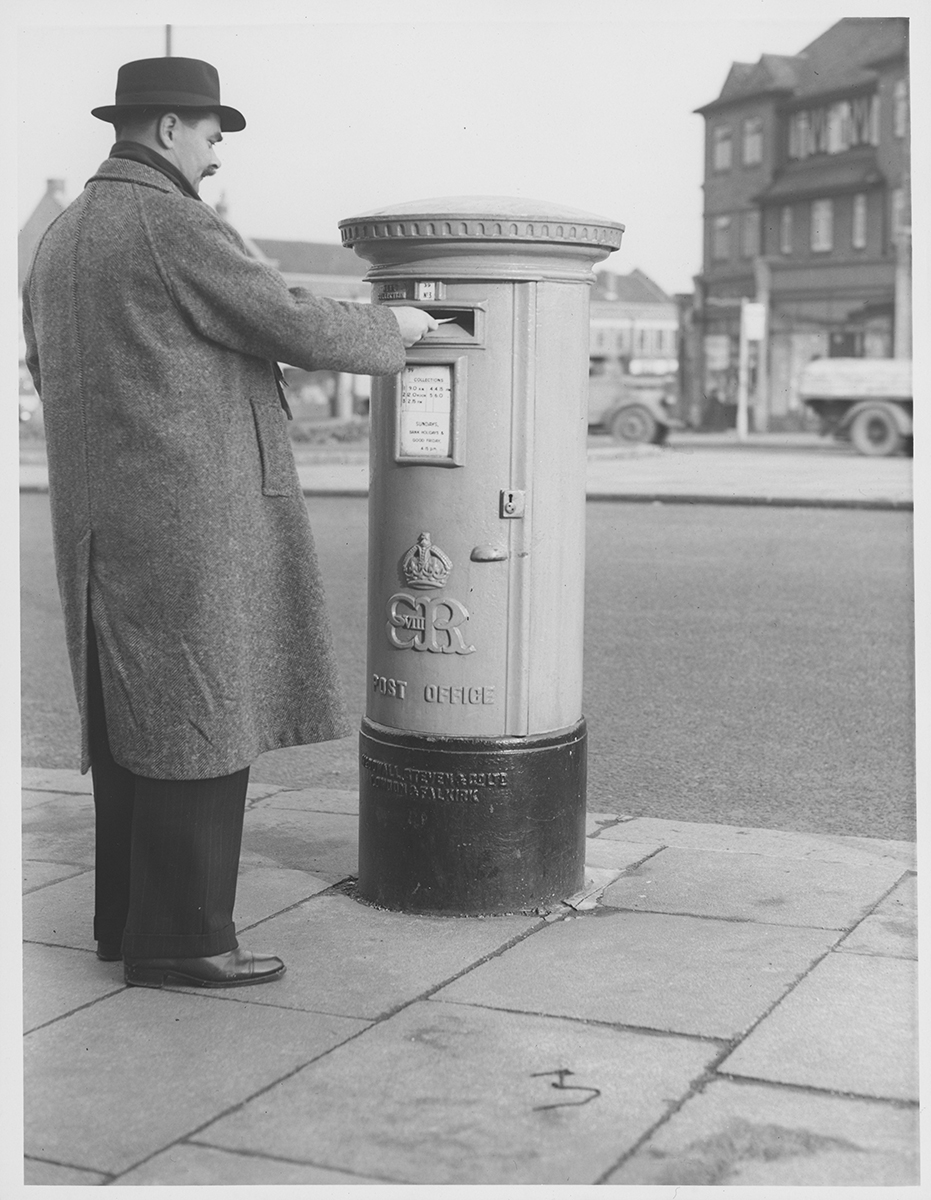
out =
column 178, row 520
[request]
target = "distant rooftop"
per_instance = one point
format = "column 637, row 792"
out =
column 312, row 258
column 52, row 205
column 635, row 288
column 843, row 57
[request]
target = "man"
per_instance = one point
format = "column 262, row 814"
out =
column 193, row 606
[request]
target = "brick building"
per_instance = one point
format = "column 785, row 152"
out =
column 807, row 211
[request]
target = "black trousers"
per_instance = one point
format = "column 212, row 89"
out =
column 167, row 851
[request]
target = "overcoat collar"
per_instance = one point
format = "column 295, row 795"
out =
column 136, row 152
column 124, row 170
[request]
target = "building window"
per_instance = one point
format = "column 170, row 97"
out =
column 752, row 141
column 900, row 109
column 838, row 127
column 785, row 230
column 722, row 148
column 858, row 233
column 721, row 239
column 822, row 225
column 898, row 212
column 834, row 128
column 750, row 234
column 799, row 141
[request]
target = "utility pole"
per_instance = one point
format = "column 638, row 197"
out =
column 168, row 41
column 763, row 272
column 742, row 374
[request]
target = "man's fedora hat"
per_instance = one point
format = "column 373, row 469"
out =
column 170, row 83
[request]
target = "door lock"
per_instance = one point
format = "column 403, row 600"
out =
column 512, row 504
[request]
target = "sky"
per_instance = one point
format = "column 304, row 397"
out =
column 356, row 105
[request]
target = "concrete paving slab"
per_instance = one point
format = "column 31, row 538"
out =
column 853, row 851
column 444, row 1093
column 600, row 853
column 52, row 1175
column 32, row 798
column 263, row 891
column 334, row 800
column 119, row 1081
column 260, row 791
column 595, row 822
column 892, row 930
column 40, row 874
column 676, row 974
column 849, row 1026
column 50, row 779
column 754, row 887
column 589, row 895
column 62, row 914
column 747, row 1135
column 38, row 780
column 58, row 981
column 346, row 958
column 191, row 1165
column 322, row 843
column 60, row 829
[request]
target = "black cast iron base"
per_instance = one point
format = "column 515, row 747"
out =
column 470, row 826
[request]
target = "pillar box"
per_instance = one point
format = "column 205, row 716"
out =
column 473, row 745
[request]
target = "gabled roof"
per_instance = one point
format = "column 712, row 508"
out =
column 635, row 288
column 773, row 72
column 843, row 57
column 312, row 258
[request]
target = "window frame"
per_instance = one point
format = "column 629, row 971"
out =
column 821, row 240
column 722, row 136
column 750, row 232
column 786, row 230
column 751, row 136
column 858, row 221
column 898, row 209
column 721, row 228
column 900, row 108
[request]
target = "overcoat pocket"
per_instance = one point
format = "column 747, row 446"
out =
column 279, row 476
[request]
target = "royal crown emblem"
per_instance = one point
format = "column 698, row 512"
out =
column 425, row 565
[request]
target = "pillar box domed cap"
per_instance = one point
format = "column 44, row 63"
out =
column 482, row 219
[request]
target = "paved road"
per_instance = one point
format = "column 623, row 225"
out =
column 743, row 665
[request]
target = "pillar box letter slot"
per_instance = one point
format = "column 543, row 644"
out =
column 457, row 325
column 473, row 744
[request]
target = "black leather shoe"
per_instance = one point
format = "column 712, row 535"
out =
column 236, row 968
column 109, row 951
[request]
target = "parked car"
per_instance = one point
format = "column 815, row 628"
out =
column 633, row 408
column 866, row 401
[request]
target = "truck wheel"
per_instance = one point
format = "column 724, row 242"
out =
column 634, row 424
column 874, row 431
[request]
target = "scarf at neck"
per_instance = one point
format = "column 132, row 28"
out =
column 143, row 154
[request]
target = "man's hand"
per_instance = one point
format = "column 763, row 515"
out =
column 413, row 323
